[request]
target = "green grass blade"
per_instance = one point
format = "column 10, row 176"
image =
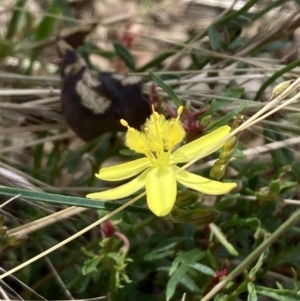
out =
column 68, row 200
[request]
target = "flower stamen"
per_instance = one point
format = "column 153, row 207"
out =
column 157, row 172
column 137, row 141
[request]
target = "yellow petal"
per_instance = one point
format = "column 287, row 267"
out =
column 161, row 190
column 123, row 171
column 121, row 191
column 202, row 184
column 193, row 149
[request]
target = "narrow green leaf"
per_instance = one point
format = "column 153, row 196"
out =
column 278, row 294
column 156, row 256
column 113, row 255
column 217, row 232
column 47, row 25
column 223, row 98
column 204, row 269
column 68, row 200
column 187, row 256
column 258, row 265
column 224, row 204
column 239, row 154
column 225, row 120
column 214, row 37
column 90, row 47
column 166, row 88
column 90, row 265
column 220, row 297
column 189, row 283
column 252, row 296
column 274, row 187
column 179, row 268
column 288, row 184
column 125, row 55
column 275, row 46
column 16, row 19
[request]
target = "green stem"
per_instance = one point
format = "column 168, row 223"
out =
column 235, row 14
column 112, row 283
column 277, row 74
column 253, row 256
column 241, row 289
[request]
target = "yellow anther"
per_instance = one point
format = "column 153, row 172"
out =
column 124, row 123
column 179, row 110
column 156, row 115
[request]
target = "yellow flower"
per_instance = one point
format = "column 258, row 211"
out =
column 158, row 171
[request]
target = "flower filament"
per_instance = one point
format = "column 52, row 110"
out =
column 158, row 139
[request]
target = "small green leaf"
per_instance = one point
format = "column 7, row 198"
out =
column 205, row 120
column 193, row 256
column 47, row 25
column 225, row 120
column 16, row 20
column 125, row 55
column 90, row 265
column 164, row 249
column 113, row 255
column 223, row 98
column 252, row 296
column 220, row 297
column 156, row 256
column 275, row 46
column 288, row 184
column 239, row 154
column 204, row 269
column 179, row 268
column 214, row 37
column 217, row 232
column 278, row 294
column 258, row 265
column 189, row 283
column 222, row 205
column 92, row 48
column 274, row 187
column 166, row 88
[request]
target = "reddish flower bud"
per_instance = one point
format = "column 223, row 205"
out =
column 108, row 228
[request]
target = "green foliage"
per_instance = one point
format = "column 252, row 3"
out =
column 166, row 88
column 179, row 268
column 278, row 294
column 246, row 243
column 125, row 55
